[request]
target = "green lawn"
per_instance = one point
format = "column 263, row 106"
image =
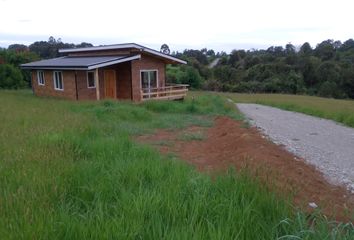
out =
column 70, row 170
column 338, row 110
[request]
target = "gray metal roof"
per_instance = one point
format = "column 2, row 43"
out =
column 78, row 63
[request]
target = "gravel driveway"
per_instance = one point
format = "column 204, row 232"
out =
column 322, row 143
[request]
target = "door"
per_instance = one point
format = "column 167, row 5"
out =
column 149, row 81
column 110, row 84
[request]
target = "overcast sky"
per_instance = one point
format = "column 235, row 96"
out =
column 218, row 24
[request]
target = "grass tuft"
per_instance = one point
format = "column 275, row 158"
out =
column 192, row 136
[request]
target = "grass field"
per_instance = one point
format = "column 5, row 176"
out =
column 338, row 110
column 70, row 170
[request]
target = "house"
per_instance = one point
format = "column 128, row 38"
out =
column 122, row 71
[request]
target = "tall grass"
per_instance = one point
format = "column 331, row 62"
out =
column 341, row 111
column 70, row 170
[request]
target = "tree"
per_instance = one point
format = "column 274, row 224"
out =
column 276, row 51
column 347, row 72
column 15, row 58
column 18, row 47
column 190, row 76
column 52, row 40
column 184, row 75
column 83, row 45
column 308, row 66
column 325, row 50
column 11, row 77
column 165, row 49
column 289, row 49
column 306, row 49
column 329, row 89
column 347, row 45
column 189, row 54
column 328, row 71
column 234, row 58
column 49, row 49
column 210, row 53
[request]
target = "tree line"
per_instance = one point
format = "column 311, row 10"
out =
column 326, row 70
column 11, row 76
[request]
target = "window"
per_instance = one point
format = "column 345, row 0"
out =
column 148, row 79
column 40, row 78
column 58, row 80
column 91, row 80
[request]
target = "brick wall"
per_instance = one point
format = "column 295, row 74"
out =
column 69, row 91
column 124, row 81
column 127, row 74
column 84, row 93
column 146, row 63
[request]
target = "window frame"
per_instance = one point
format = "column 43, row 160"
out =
column 54, row 80
column 40, row 78
column 150, row 70
column 94, row 79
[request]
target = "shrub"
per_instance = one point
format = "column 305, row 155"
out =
column 11, row 77
column 329, row 89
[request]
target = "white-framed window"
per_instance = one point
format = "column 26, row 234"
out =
column 58, row 80
column 149, row 79
column 91, row 81
column 40, row 78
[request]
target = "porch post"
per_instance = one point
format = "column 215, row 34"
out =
column 97, row 83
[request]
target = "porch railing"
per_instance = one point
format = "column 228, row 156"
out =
column 168, row 92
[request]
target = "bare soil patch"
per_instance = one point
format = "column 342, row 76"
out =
column 231, row 143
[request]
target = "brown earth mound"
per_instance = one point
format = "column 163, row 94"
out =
column 231, row 143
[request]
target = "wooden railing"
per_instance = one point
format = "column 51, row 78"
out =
column 168, row 92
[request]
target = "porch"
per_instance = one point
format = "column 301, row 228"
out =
column 168, row 92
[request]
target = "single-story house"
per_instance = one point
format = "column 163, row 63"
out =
column 122, row 71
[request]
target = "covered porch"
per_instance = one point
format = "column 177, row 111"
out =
column 139, row 80
column 120, row 82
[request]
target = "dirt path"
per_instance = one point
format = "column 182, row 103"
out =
column 230, row 143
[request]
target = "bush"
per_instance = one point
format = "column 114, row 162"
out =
column 212, row 85
column 184, row 75
column 11, row 77
column 330, row 89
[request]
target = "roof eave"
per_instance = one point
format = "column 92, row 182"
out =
column 52, row 68
column 127, row 59
column 174, row 59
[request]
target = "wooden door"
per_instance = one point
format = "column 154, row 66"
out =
column 110, row 84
